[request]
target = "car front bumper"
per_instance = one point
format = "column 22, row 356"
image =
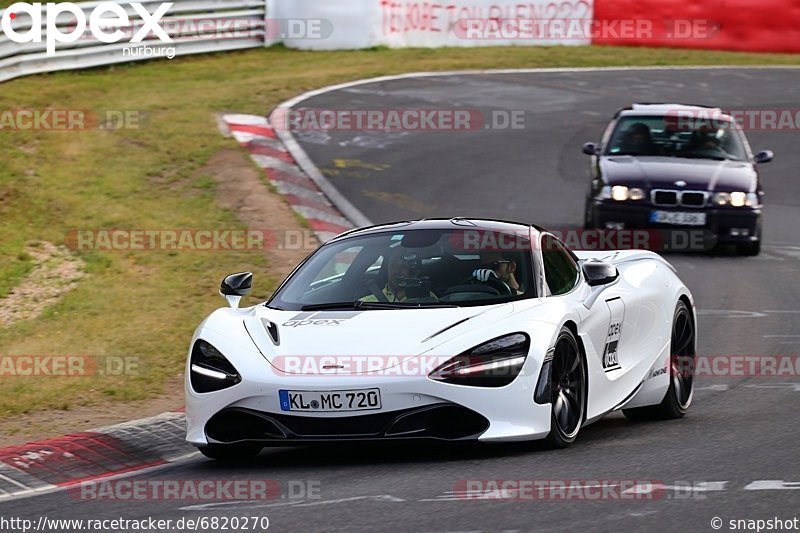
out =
column 412, row 408
column 726, row 225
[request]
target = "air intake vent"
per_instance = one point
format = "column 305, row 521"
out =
column 665, row 198
column 272, row 329
column 693, row 199
column 668, row 198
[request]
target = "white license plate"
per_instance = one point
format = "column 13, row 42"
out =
column 330, row 401
column 678, row 218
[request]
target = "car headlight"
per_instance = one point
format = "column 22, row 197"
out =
column 735, row 199
column 210, row 370
column 621, row 193
column 492, row 364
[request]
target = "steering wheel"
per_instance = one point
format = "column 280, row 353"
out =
column 494, row 283
column 499, row 285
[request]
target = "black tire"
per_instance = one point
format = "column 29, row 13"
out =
column 588, row 222
column 750, row 249
column 231, row 452
column 682, row 362
column 567, row 390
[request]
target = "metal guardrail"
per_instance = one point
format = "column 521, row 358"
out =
column 195, row 26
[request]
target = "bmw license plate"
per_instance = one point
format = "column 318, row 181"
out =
column 326, row 401
column 678, row 218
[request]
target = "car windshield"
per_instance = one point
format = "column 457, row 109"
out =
column 715, row 138
column 412, row 269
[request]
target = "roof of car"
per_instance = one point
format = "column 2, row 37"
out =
column 458, row 223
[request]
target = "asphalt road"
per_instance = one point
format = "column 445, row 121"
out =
column 739, row 432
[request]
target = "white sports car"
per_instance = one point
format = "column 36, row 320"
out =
column 459, row 329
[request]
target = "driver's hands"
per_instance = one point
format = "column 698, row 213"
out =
column 483, row 274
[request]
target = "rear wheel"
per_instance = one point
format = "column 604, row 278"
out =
column 682, row 361
column 231, row 452
column 568, row 391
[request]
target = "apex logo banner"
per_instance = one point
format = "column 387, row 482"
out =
column 104, row 22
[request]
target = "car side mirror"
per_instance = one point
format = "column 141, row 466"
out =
column 598, row 273
column 765, row 156
column 235, row 286
column 590, row 148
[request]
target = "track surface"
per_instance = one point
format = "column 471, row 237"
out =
column 738, row 431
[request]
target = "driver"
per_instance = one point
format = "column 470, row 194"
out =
column 403, row 280
column 494, row 265
column 638, row 140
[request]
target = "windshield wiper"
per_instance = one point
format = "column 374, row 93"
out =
column 329, row 306
column 701, row 156
column 359, row 304
column 401, row 305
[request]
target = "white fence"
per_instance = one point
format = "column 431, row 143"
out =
column 431, row 24
column 195, row 26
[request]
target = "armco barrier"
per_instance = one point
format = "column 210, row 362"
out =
column 196, row 26
column 742, row 25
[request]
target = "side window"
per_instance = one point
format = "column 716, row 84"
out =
column 560, row 269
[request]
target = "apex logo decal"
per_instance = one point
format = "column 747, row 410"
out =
column 310, row 318
column 104, row 17
column 659, row 371
column 611, row 351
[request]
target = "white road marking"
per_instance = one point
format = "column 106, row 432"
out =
column 260, row 504
column 730, row 313
column 15, row 482
column 773, row 484
column 738, row 313
column 789, row 386
column 717, row 387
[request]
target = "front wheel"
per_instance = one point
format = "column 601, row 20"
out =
column 568, row 391
column 588, row 218
column 682, row 362
column 750, row 249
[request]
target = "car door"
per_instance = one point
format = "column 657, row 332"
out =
column 606, row 328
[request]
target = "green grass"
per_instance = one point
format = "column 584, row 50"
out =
column 148, row 303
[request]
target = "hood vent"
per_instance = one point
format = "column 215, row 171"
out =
column 272, row 329
column 451, row 326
